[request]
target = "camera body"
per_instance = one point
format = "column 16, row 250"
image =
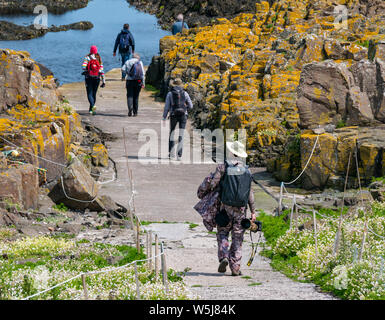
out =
column 251, row 225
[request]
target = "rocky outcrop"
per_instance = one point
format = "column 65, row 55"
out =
column 328, row 166
column 34, row 120
column 78, row 190
column 27, row 6
column 377, row 190
column 332, row 93
column 19, row 185
column 244, row 72
column 11, row 31
column 75, row 188
column 197, row 12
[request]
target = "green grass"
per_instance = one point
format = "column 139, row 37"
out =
column 341, row 124
column 60, row 207
column 274, row 227
column 255, row 284
column 379, row 179
column 365, row 43
column 193, row 225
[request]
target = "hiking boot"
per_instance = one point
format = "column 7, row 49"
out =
column 223, row 265
column 236, row 273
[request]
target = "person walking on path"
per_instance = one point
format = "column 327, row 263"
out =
column 135, row 81
column 179, row 25
column 94, row 72
column 126, row 43
column 214, row 195
column 178, row 103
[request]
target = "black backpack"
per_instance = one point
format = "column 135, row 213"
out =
column 235, row 185
column 178, row 102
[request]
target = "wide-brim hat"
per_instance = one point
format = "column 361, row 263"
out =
column 177, row 82
column 237, row 148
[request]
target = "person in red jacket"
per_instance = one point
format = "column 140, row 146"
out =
column 94, row 73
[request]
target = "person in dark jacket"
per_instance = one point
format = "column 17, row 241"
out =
column 179, row 25
column 126, row 43
column 176, row 119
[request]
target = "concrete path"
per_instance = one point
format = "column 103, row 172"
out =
column 167, row 192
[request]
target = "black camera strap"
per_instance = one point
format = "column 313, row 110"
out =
column 254, row 248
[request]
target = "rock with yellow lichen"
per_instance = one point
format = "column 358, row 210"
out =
column 291, row 65
column 34, row 121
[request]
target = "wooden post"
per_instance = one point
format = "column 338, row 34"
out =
column 164, row 267
column 280, row 200
column 150, row 251
column 148, row 248
column 137, row 282
column 338, row 235
column 137, row 235
column 84, row 286
column 315, row 234
column 292, row 212
column 156, row 256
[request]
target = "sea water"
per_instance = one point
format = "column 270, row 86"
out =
column 63, row 52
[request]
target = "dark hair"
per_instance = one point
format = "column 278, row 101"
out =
column 126, row 26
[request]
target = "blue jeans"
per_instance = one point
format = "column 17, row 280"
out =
column 125, row 57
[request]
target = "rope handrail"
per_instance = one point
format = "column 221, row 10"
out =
column 93, row 273
column 307, row 163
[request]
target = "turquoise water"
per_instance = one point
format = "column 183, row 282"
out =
column 63, row 52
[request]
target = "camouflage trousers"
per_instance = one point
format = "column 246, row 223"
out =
column 234, row 252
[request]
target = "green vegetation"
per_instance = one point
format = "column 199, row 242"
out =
column 7, row 233
column 253, row 284
column 193, row 225
column 31, row 265
column 364, row 43
column 379, row 179
column 60, row 207
column 293, row 251
column 9, row 204
column 341, row 124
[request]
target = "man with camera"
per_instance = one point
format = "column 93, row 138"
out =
column 225, row 196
